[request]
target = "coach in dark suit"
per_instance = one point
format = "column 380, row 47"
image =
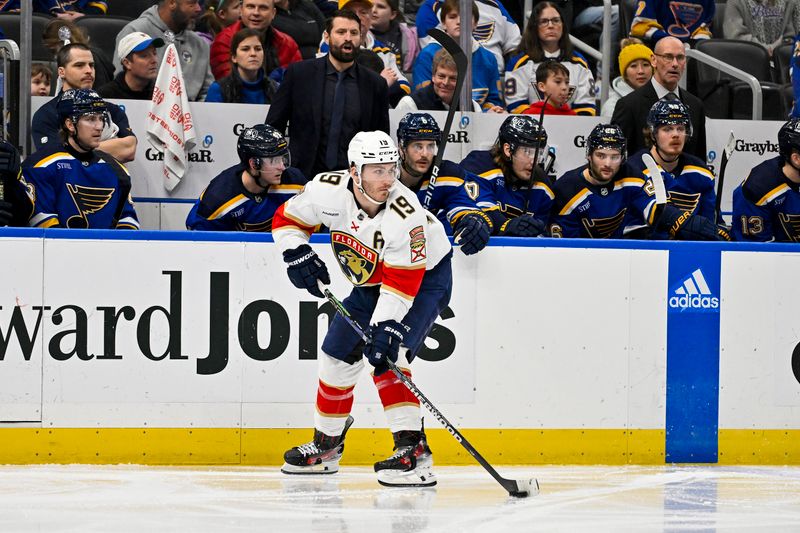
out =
column 669, row 59
column 327, row 100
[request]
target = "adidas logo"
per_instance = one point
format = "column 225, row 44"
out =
column 694, row 294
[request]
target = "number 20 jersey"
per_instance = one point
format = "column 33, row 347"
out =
column 393, row 249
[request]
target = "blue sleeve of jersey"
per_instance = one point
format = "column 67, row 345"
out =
column 121, row 120
column 566, row 226
column 795, row 72
column 43, row 182
column 197, row 222
column 749, row 221
column 128, row 218
column 44, row 126
column 505, row 13
column 493, row 82
column 427, row 17
column 423, row 65
column 708, row 201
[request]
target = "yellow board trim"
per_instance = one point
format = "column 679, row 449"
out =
column 234, row 446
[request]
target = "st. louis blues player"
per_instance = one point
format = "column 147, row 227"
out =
column 397, row 256
column 244, row 197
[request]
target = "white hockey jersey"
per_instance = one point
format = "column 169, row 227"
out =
column 392, row 249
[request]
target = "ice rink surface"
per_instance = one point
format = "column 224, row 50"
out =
column 572, row 498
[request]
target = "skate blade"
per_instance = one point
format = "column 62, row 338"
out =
column 419, row 477
column 321, row 468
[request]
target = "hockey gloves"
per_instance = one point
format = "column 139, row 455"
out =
column 472, row 233
column 685, row 226
column 384, row 344
column 305, row 268
column 9, row 161
column 6, row 213
column 522, row 226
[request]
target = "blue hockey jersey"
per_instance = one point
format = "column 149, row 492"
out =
column 588, row 211
column 53, row 7
column 500, row 198
column 685, row 19
column 452, row 196
column 69, row 189
column 225, row 205
column 766, row 206
column 690, row 187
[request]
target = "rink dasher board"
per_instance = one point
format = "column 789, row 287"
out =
column 555, row 352
column 218, row 126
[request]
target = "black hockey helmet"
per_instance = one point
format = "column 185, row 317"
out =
column 522, row 130
column 76, row 103
column 665, row 112
column 606, row 136
column 418, row 127
column 789, row 138
column 262, row 141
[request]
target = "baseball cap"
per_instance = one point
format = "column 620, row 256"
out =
column 136, row 42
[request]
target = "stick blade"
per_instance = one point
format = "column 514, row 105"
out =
column 656, row 178
column 524, row 488
column 730, row 146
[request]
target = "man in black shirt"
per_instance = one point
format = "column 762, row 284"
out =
column 137, row 53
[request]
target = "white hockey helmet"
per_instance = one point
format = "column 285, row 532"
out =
column 369, row 147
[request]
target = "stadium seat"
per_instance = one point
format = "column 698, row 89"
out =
column 128, row 8
column 40, row 52
column 9, row 23
column 716, row 24
column 726, row 97
column 782, row 56
column 102, row 31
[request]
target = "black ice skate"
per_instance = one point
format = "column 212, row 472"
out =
column 412, row 462
column 320, row 456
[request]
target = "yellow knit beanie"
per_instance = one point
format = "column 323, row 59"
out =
column 631, row 53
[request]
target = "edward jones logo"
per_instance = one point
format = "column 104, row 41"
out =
column 694, row 295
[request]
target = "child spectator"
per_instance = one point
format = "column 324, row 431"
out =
column 552, row 81
column 40, row 79
column 389, row 27
column 219, row 14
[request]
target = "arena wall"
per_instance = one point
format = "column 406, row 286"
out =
column 194, row 348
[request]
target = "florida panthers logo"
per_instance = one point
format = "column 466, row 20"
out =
column 357, row 261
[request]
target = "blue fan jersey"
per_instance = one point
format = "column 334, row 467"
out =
column 690, row 187
column 452, row 196
column 589, row 211
column 225, row 205
column 72, row 190
column 500, row 199
column 766, row 206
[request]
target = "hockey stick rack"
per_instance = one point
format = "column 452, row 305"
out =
column 520, row 488
column 460, row 59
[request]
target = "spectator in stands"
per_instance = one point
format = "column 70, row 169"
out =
column 218, row 15
column 66, row 9
column 327, row 100
column 590, row 13
column 76, row 70
column 247, row 83
column 302, row 21
column 635, row 70
column 496, row 30
column 552, row 82
column 439, row 93
column 137, row 53
column 546, row 38
column 687, row 20
column 40, row 79
column 630, row 113
column 390, row 28
column 72, row 183
column 103, row 67
column 280, row 50
column 485, row 80
column 767, row 22
column 395, row 80
column 245, row 196
column 177, row 17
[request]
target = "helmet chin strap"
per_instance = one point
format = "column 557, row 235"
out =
column 257, row 174
column 74, row 137
column 357, row 180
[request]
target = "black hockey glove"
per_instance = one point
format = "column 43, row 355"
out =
column 6, row 213
column 384, row 344
column 9, row 161
column 305, row 268
column 684, row 226
column 522, row 226
column 472, row 233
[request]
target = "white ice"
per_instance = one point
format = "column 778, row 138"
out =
column 573, row 498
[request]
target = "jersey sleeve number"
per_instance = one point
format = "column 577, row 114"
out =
column 330, row 178
column 473, row 190
column 752, row 225
column 401, row 207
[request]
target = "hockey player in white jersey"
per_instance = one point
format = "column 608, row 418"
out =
column 397, row 256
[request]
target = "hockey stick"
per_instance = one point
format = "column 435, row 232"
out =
column 535, row 155
column 460, row 59
column 520, row 488
column 658, row 186
column 726, row 155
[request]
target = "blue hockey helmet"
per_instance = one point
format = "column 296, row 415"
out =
column 76, row 103
column 261, row 142
column 606, row 136
column 522, row 130
column 665, row 112
column 789, row 138
column 418, row 127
